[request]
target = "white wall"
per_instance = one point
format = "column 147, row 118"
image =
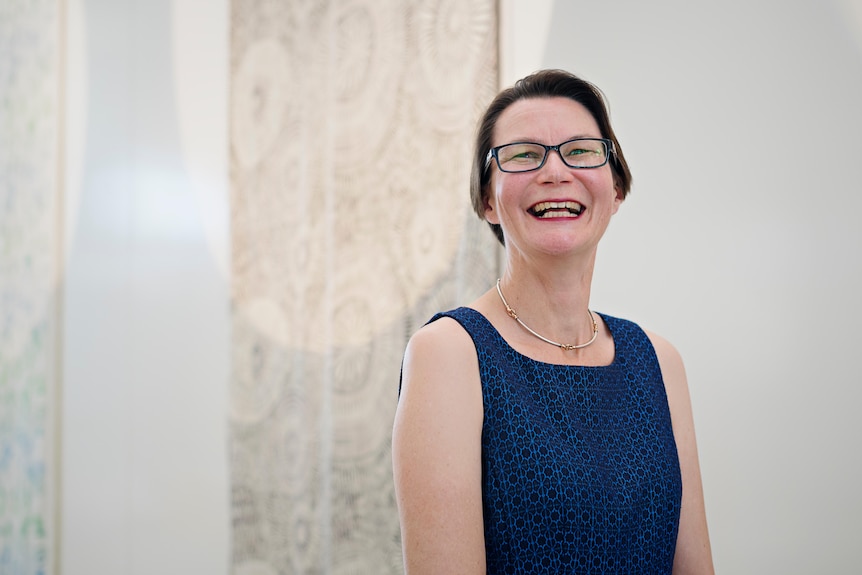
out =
column 741, row 122
column 144, row 473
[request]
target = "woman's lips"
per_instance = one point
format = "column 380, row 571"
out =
column 567, row 209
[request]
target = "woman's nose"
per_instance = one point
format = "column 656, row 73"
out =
column 555, row 169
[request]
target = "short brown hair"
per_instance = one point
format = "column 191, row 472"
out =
column 543, row 84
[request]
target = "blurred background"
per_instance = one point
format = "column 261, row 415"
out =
column 220, row 221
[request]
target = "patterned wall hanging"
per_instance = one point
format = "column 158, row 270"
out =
column 351, row 130
column 29, row 256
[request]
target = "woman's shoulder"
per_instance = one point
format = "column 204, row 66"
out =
column 672, row 371
column 440, row 376
column 664, row 349
column 442, row 338
column 667, row 354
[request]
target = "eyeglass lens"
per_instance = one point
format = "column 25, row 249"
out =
column 523, row 157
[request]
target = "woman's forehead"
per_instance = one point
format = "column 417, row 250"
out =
column 553, row 118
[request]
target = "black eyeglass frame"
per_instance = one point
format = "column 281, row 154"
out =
column 493, row 153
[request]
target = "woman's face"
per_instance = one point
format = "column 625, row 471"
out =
column 583, row 200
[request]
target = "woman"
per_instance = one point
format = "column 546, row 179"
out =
column 533, row 435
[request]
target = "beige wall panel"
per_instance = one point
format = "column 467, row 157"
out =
column 351, row 131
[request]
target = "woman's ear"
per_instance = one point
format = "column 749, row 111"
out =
column 490, row 212
column 618, row 195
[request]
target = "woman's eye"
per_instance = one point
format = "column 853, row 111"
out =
column 523, row 155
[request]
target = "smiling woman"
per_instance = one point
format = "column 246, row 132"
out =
column 514, row 453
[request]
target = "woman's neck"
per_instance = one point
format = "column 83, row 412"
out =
column 551, row 298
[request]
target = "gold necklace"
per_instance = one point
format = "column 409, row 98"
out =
column 563, row 346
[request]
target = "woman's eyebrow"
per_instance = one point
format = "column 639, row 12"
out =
column 530, row 140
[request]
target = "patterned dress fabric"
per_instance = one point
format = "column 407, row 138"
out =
column 579, row 464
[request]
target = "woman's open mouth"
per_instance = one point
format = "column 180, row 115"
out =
column 556, row 209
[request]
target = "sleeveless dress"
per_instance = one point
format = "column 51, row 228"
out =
column 580, row 470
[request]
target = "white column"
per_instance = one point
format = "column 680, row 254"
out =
column 144, row 476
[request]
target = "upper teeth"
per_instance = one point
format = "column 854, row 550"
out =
column 545, row 206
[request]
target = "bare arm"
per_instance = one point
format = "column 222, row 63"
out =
column 436, row 453
column 693, row 552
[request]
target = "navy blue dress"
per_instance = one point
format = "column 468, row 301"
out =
column 579, row 465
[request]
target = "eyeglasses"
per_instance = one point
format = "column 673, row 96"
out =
column 529, row 156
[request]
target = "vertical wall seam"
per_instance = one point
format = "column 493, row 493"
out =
column 56, row 410
column 326, row 417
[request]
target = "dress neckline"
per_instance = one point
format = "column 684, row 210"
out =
column 524, row 357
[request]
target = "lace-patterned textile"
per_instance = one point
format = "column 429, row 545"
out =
column 345, row 237
column 579, row 464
